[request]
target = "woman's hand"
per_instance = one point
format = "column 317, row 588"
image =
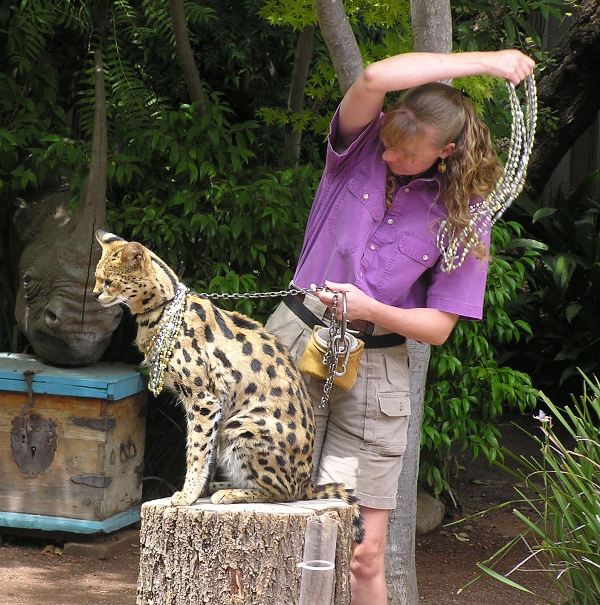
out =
column 511, row 65
column 426, row 325
column 358, row 304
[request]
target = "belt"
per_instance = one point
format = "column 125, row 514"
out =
column 294, row 302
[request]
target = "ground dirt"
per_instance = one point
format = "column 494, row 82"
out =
column 36, row 571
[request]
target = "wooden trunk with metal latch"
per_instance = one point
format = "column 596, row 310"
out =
column 71, row 445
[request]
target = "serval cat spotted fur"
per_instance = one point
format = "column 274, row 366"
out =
column 248, row 408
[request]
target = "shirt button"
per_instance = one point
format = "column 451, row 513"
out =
column 372, row 246
column 425, row 257
column 390, row 221
column 361, row 274
column 407, row 189
column 365, row 196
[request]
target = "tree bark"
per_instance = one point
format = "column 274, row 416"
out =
column 400, row 568
column 432, row 32
column 234, row 554
column 570, row 90
column 186, row 57
column 340, row 40
column 431, row 25
column 293, row 138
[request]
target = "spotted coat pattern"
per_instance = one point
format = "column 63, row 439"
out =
column 247, row 406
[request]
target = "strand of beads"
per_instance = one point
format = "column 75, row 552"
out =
column 454, row 245
column 163, row 341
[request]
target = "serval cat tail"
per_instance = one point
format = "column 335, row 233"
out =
column 337, row 490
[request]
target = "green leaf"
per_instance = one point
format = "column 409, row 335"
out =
column 237, row 224
column 530, row 244
column 503, row 579
column 543, row 213
column 572, row 310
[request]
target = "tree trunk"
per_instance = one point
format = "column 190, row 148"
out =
column 431, row 25
column 234, row 554
column 186, row 57
column 400, row 568
column 293, row 138
column 432, row 31
column 569, row 88
column 340, row 40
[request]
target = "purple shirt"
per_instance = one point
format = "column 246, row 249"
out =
column 390, row 255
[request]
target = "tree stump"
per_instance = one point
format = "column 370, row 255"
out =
column 234, row 554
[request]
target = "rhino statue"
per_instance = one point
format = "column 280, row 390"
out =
column 55, row 307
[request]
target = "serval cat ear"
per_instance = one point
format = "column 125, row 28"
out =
column 133, row 256
column 105, row 239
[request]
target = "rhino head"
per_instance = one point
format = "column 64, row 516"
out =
column 55, row 307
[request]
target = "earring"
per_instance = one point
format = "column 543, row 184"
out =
column 442, row 166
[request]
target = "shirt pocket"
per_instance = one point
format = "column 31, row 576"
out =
column 353, row 218
column 411, row 258
column 391, row 424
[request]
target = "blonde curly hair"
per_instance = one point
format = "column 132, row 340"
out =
column 472, row 168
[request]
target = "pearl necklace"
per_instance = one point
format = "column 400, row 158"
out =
column 162, row 343
column 454, row 246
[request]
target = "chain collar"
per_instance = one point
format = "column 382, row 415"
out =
column 162, row 343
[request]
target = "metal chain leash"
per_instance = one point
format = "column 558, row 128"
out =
column 337, row 345
column 330, row 359
column 241, row 295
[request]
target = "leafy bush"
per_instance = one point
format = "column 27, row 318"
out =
column 562, row 489
column 563, row 290
column 468, row 388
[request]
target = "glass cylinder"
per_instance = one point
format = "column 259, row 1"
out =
column 318, row 562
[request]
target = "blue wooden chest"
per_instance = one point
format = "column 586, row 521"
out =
column 71, row 445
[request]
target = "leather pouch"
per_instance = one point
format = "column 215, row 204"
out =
column 311, row 362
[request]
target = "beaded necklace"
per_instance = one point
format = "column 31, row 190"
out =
column 454, row 245
column 162, row 343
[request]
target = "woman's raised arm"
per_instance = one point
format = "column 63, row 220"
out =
column 363, row 101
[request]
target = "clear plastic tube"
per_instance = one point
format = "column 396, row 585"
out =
column 318, row 563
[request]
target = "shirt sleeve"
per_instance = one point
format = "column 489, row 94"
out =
column 462, row 290
column 364, row 143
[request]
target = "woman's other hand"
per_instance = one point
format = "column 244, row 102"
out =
column 512, row 65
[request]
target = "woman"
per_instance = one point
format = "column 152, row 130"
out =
column 389, row 181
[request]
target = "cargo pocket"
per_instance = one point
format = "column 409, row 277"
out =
column 391, row 424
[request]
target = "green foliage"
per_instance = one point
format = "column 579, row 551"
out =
column 300, row 13
column 224, row 225
column 381, row 29
column 477, row 23
column 563, row 294
column 476, row 26
column 560, row 500
column 468, row 389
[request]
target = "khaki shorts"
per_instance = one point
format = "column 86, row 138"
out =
column 361, row 433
